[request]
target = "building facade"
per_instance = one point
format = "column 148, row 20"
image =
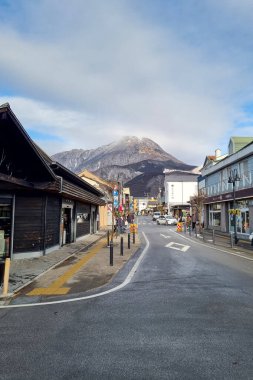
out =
column 105, row 217
column 180, row 186
column 227, row 187
column 43, row 205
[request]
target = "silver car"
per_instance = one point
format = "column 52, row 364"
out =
column 161, row 220
column 171, row 221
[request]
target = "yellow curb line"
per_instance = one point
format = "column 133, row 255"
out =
column 55, row 288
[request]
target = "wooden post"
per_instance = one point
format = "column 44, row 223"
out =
column 6, row 276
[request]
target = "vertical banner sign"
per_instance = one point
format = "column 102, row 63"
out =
column 115, row 198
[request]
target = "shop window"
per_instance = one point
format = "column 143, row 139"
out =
column 5, row 230
column 215, row 215
column 215, row 219
column 242, row 222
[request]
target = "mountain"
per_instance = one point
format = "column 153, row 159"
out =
column 137, row 162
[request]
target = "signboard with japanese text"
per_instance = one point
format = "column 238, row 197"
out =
column 115, row 198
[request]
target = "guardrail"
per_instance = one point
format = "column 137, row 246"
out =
column 217, row 238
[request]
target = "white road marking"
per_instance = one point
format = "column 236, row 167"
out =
column 126, row 282
column 177, row 246
column 239, row 254
column 165, row 236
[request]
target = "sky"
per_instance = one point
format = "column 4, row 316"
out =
column 83, row 73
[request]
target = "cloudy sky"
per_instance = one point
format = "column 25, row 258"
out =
column 84, row 73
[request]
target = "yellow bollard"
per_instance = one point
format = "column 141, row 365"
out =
column 6, row 276
column 133, row 228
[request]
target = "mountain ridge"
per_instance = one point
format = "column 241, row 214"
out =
column 126, row 159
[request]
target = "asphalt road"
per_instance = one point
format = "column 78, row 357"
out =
column 186, row 314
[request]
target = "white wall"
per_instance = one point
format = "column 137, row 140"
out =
column 142, row 204
column 179, row 192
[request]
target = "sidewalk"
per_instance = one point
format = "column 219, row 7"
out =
column 243, row 247
column 27, row 274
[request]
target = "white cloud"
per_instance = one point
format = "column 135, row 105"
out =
column 99, row 70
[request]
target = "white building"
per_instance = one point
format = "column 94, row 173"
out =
column 141, row 203
column 179, row 186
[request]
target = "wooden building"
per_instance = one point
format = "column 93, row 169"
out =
column 106, row 187
column 43, row 205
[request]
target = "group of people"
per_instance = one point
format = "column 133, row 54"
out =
column 122, row 223
column 189, row 220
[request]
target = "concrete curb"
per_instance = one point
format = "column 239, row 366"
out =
column 10, row 295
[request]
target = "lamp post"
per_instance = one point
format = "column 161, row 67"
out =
column 232, row 179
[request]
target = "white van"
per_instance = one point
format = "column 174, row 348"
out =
column 156, row 215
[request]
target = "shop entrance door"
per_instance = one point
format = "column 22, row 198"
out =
column 66, row 226
column 244, row 221
column 5, row 230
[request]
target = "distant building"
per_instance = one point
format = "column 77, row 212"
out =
column 106, row 187
column 212, row 160
column 141, row 204
column 180, row 186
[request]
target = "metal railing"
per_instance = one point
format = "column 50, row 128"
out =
column 218, row 238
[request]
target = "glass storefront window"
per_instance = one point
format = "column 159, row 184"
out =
column 245, row 222
column 215, row 215
column 215, row 207
column 215, row 218
column 242, row 221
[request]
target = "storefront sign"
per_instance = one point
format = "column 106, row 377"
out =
column 229, row 196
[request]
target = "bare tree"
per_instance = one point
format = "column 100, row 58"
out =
column 197, row 204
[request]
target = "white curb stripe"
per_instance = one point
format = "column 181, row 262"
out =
column 126, row 282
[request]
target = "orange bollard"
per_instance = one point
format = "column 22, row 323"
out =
column 179, row 227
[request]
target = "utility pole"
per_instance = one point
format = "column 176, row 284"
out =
column 232, row 179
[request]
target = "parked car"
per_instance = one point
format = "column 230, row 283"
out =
column 171, row 221
column 156, row 215
column 161, row 220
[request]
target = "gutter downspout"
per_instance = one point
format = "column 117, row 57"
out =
column 61, row 222
column 45, row 226
column 12, row 225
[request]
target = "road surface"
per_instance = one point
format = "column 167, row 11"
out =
column 186, row 314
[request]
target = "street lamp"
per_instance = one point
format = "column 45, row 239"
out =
column 232, row 179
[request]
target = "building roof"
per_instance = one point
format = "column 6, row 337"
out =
column 181, row 176
column 87, row 174
column 244, row 152
column 33, row 167
column 104, row 186
column 210, row 158
column 236, row 143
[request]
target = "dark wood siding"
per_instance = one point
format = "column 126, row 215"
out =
column 29, row 223
column 53, row 221
column 30, row 227
column 83, row 228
